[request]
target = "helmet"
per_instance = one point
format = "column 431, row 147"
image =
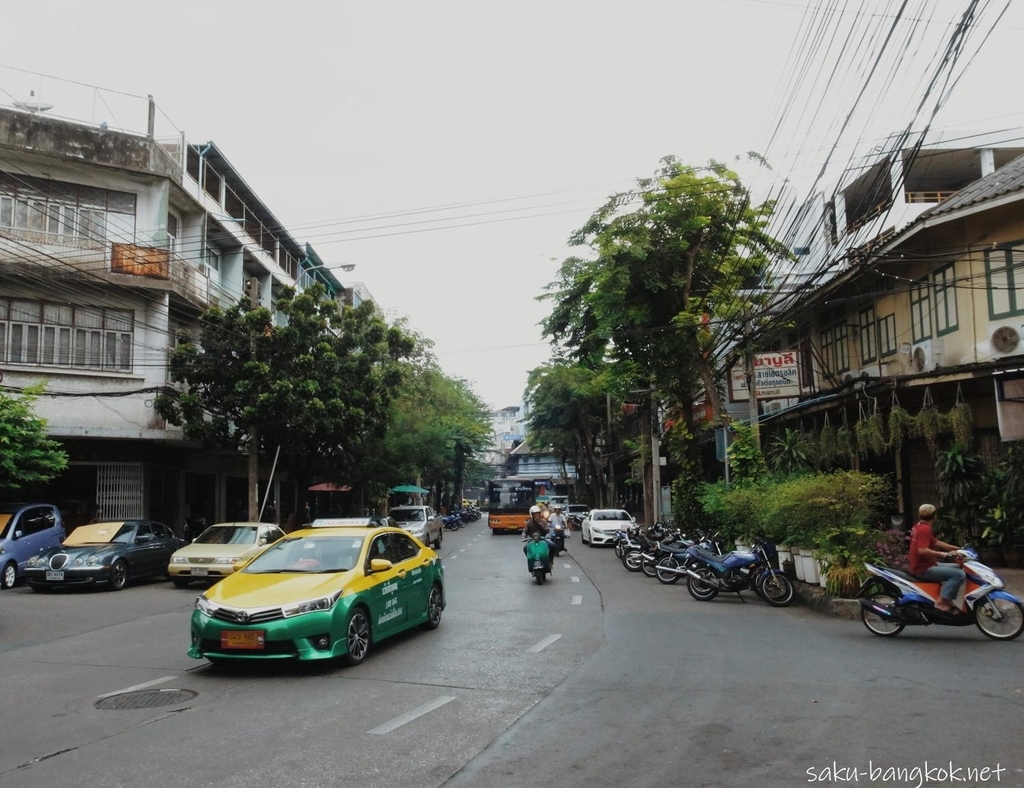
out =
column 534, row 509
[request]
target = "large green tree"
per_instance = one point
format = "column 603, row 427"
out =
column 656, row 296
column 317, row 387
column 27, row 456
column 568, row 412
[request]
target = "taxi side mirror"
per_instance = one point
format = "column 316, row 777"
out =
column 380, row 565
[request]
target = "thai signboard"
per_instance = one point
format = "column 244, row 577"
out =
column 777, row 374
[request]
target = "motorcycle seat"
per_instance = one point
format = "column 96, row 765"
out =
column 707, row 555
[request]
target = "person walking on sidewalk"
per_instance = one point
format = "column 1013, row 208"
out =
column 925, row 553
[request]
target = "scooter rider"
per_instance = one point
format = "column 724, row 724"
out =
column 925, row 553
column 559, row 529
column 537, row 525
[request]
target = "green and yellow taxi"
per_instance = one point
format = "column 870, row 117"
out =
column 318, row 594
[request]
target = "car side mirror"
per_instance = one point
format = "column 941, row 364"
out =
column 380, row 565
column 143, row 538
column 262, row 541
column 18, row 534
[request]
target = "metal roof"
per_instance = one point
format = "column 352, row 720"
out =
column 1007, row 179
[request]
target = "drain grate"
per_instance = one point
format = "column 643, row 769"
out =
column 144, row 699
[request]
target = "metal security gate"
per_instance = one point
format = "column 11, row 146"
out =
column 119, row 490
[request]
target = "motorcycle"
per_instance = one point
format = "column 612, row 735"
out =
column 538, row 558
column 452, row 522
column 738, row 571
column 642, row 543
column 672, row 567
column 891, row 600
column 558, row 537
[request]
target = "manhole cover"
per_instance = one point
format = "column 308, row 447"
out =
column 145, row 699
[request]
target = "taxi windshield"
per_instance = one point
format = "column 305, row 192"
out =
column 309, row 554
column 228, row 534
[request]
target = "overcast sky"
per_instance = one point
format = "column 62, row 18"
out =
column 480, row 135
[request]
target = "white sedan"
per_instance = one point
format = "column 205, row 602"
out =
column 600, row 525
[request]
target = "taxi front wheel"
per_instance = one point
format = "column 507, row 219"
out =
column 357, row 637
column 434, row 608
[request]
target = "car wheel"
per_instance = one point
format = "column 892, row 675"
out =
column 118, row 575
column 9, row 575
column 583, row 537
column 357, row 637
column 180, row 582
column 434, row 607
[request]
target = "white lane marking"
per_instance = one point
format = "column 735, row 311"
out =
column 575, row 579
column 462, row 550
column 577, row 600
column 409, row 716
column 543, row 644
column 453, row 557
column 567, row 566
column 136, row 687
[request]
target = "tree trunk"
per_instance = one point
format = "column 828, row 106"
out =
column 254, row 475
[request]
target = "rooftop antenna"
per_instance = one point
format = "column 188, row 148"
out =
column 33, row 104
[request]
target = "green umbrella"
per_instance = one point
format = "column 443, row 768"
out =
column 409, row 488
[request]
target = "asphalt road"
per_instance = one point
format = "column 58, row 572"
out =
column 599, row 677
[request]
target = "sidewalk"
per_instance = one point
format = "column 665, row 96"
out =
column 815, row 597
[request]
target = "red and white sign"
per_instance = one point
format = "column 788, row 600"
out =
column 777, row 375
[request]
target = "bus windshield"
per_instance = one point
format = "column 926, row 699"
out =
column 516, row 493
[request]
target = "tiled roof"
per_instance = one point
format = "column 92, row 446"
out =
column 1007, row 179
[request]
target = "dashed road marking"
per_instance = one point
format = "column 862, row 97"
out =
column 409, row 716
column 577, row 600
column 575, row 579
column 543, row 644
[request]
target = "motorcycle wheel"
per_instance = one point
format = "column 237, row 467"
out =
column 699, row 589
column 631, row 560
column 648, row 567
column 539, row 575
column 883, row 627
column 776, row 590
column 668, row 578
column 999, row 619
column 619, row 550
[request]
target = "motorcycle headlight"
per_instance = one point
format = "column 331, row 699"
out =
column 311, row 606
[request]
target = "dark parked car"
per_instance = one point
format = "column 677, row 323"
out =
column 110, row 553
column 26, row 529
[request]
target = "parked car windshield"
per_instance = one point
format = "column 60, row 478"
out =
column 407, row 515
column 228, row 534
column 309, row 554
column 100, row 533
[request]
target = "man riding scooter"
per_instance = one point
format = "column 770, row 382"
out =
column 559, row 529
column 537, row 525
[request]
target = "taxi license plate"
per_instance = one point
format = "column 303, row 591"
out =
column 51, row 575
column 200, row 571
column 234, row 638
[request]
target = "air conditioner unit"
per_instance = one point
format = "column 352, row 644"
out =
column 773, row 406
column 1004, row 340
column 927, row 355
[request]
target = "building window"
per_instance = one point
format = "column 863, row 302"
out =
column 868, row 334
column 887, row 335
column 1005, row 281
column 944, row 282
column 37, row 333
column 835, row 351
column 64, row 213
column 213, row 258
column 921, row 310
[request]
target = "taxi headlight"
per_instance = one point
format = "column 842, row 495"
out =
column 311, row 606
column 205, row 606
column 224, row 559
column 179, row 559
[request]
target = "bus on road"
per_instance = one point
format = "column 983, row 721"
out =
column 510, row 500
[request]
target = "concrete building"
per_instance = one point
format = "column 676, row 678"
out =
column 110, row 243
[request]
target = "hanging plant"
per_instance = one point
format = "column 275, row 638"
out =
column 961, row 422
column 928, row 424
column 846, row 444
column 870, row 433
column 826, row 444
column 900, row 424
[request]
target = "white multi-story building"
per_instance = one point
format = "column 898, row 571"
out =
column 110, row 242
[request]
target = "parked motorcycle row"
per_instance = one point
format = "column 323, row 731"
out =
column 460, row 517
column 669, row 555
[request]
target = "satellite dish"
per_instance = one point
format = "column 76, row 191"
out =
column 33, row 104
column 1005, row 339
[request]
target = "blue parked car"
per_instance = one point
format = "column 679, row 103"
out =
column 26, row 529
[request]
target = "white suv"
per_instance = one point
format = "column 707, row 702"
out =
column 421, row 522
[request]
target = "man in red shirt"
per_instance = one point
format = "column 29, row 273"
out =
column 926, row 551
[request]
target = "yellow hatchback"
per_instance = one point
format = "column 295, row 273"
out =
column 218, row 550
column 321, row 593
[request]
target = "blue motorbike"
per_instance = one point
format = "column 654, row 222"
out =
column 709, row 574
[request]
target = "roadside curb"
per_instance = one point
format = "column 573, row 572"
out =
column 816, row 598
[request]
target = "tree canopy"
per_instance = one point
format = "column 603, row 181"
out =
column 27, row 456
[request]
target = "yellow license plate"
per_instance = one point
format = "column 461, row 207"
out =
column 234, row 638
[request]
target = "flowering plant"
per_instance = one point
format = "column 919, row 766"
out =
column 890, row 549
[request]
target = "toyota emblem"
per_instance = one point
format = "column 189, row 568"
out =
column 241, row 616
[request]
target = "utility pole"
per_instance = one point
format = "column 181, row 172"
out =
column 655, row 458
column 751, row 377
column 610, row 448
column 254, row 438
